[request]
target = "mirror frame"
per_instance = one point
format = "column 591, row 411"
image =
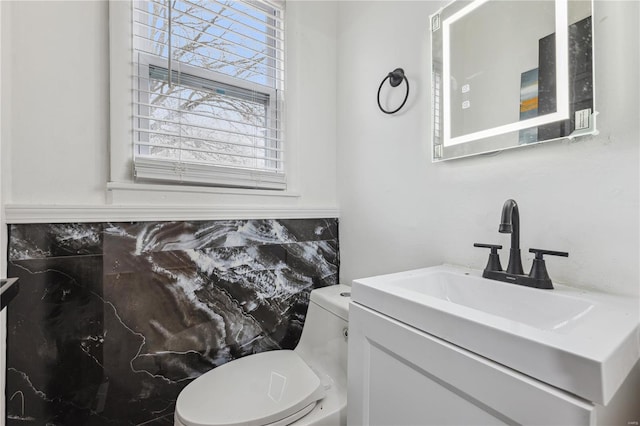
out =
column 441, row 120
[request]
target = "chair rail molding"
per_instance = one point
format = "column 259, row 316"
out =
column 31, row 213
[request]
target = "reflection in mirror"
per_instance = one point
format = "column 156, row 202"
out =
column 479, row 36
column 510, row 73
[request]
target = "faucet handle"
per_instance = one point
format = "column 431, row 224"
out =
column 494, row 259
column 539, row 268
column 493, row 247
column 541, row 252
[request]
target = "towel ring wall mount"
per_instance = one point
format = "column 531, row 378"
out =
column 395, row 77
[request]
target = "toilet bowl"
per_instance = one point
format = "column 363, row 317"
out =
column 304, row 386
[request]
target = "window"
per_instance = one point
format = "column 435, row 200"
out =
column 208, row 92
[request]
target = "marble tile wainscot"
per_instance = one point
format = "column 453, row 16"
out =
column 114, row 319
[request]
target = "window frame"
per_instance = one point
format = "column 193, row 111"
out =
column 148, row 170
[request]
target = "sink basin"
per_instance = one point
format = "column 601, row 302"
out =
column 581, row 341
column 541, row 309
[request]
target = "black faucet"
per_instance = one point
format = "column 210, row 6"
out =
column 538, row 277
column 511, row 225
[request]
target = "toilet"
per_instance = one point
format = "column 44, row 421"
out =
column 304, row 386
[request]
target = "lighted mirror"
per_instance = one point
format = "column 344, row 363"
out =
column 510, row 73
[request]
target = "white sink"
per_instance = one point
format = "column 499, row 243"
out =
column 580, row 341
column 541, row 309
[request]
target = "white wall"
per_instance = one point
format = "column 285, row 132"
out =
column 59, row 137
column 59, row 101
column 400, row 211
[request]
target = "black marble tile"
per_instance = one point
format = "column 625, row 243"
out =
column 37, row 241
column 143, row 237
column 311, row 229
column 55, row 338
column 118, row 336
column 200, row 308
column 160, row 421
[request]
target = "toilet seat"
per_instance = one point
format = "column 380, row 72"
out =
column 275, row 387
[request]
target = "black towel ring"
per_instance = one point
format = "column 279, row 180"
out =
column 395, row 77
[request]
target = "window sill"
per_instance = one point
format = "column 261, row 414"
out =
column 115, row 187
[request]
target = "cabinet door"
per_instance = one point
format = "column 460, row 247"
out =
column 399, row 375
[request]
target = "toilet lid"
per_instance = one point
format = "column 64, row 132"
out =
column 254, row 390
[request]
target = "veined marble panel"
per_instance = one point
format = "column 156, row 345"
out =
column 114, row 319
column 171, row 236
column 55, row 341
column 40, row 241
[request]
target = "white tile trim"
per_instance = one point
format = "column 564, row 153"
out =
column 23, row 213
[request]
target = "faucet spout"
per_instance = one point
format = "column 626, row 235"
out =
column 510, row 224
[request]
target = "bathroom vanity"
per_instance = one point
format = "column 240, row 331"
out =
column 443, row 345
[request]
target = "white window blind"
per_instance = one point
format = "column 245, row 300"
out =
column 208, row 92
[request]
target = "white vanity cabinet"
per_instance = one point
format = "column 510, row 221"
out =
column 399, row 375
column 444, row 346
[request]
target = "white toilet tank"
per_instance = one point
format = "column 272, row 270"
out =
column 323, row 343
column 323, row 346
